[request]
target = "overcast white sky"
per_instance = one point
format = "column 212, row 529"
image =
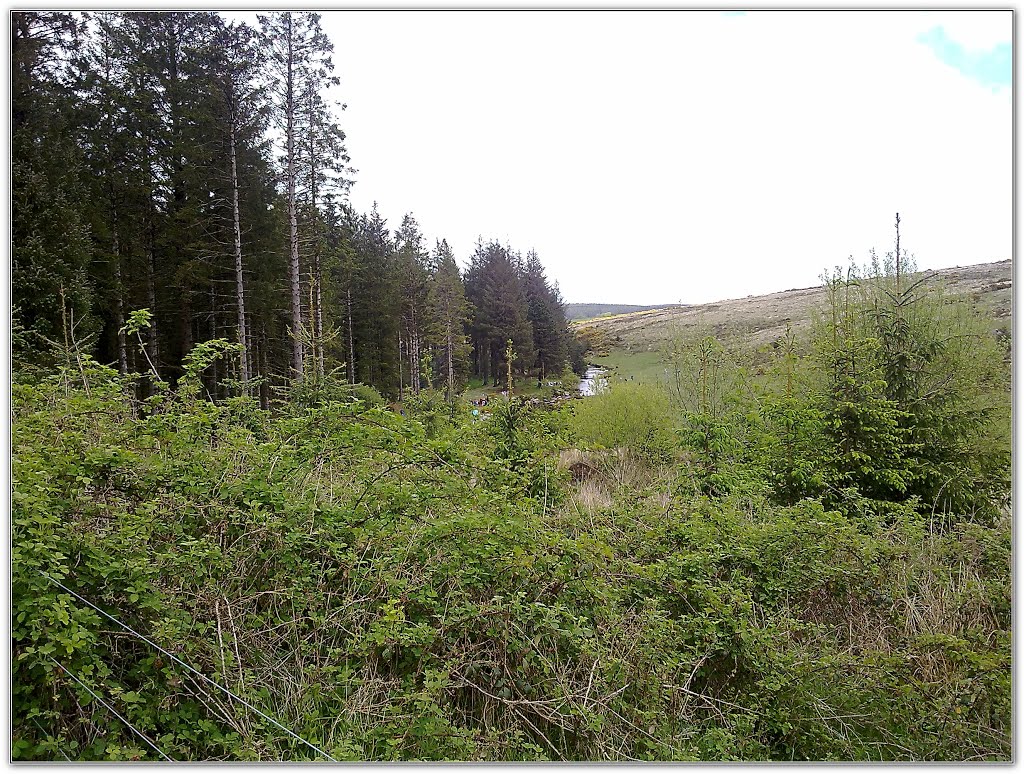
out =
column 657, row 157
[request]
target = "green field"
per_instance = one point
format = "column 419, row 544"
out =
column 644, row 367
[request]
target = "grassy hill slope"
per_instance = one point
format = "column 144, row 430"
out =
column 589, row 311
column 631, row 342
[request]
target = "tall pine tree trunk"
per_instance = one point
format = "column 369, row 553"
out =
column 417, row 361
column 185, row 319
column 451, row 367
column 318, row 318
column 239, row 283
column 122, row 341
column 317, row 278
column 154, row 341
column 213, row 334
column 401, row 384
column 351, row 342
column 293, row 225
column 264, row 369
column 153, row 338
column 413, row 352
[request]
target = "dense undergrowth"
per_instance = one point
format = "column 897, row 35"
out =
column 810, row 562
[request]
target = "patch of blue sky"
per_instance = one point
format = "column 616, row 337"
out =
column 992, row 68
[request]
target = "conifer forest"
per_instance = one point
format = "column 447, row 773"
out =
column 292, row 483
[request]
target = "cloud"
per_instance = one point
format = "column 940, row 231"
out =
column 993, row 67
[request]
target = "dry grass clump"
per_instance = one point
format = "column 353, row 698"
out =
column 598, row 476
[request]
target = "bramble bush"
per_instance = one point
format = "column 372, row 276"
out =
column 432, row 587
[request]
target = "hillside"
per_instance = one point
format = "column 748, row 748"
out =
column 589, row 311
column 760, row 320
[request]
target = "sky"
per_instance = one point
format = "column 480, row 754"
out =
column 684, row 156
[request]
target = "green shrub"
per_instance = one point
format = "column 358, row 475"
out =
column 637, row 417
column 400, row 588
column 316, row 390
column 433, row 410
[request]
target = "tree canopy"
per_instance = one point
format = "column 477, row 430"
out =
column 197, row 168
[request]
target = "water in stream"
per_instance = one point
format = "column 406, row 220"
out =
column 593, row 381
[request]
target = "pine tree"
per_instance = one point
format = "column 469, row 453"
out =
column 375, row 304
column 51, row 247
column 450, row 312
column 341, row 225
column 547, row 318
column 943, row 372
column 868, row 441
column 241, row 118
column 175, row 58
column 411, row 263
column 153, row 93
column 299, row 55
column 102, row 136
column 500, row 311
column 323, row 168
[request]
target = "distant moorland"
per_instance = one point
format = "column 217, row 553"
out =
column 634, row 340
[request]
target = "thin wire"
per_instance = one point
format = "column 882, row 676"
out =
column 117, row 714
column 195, row 671
column 55, row 744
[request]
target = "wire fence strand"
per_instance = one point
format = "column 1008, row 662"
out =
column 190, row 668
column 117, row 714
column 55, row 743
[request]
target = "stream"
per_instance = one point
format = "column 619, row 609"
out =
column 592, row 381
